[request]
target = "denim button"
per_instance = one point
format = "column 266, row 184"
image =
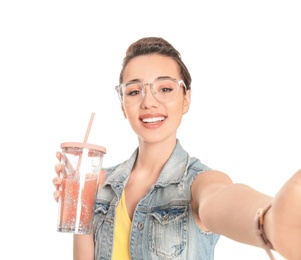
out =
column 140, row 225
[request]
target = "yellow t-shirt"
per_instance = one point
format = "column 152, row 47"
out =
column 121, row 248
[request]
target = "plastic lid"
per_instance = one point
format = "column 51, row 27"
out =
column 84, row 145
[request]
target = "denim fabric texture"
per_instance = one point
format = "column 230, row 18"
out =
column 163, row 226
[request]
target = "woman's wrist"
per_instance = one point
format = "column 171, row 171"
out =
column 260, row 229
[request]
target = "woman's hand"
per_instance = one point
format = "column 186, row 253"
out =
column 57, row 180
column 285, row 217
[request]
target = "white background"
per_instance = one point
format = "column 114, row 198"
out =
column 60, row 61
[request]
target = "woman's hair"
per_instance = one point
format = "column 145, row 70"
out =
column 155, row 45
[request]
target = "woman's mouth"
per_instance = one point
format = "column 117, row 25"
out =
column 153, row 120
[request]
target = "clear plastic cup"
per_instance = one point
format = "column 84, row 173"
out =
column 82, row 163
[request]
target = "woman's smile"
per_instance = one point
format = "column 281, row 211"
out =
column 152, row 121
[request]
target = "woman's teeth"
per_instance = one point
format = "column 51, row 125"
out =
column 152, row 120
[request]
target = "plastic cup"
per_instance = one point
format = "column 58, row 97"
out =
column 82, row 163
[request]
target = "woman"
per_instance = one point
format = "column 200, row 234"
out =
column 163, row 204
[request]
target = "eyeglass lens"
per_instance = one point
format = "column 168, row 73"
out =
column 163, row 90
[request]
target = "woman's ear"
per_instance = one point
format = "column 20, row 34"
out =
column 186, row 103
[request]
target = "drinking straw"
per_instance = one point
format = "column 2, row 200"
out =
column 89, row 127
column 82, row 180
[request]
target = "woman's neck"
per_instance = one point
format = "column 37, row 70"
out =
column 153, row 156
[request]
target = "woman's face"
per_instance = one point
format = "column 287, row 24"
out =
column 151, row 120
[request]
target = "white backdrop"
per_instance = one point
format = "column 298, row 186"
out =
column 60, row 61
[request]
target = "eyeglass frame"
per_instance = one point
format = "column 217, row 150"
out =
column 179, row 82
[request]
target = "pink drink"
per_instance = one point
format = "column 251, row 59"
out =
column 81, row 168
column 71, row 207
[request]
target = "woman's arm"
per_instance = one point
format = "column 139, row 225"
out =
column 226, row 208
column 230, row 209
column 83, row 247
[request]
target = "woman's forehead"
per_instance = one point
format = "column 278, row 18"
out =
column 150, row 67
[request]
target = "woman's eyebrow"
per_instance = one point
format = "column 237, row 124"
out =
column 165, row 77
column 140, row 81
column 133, row 81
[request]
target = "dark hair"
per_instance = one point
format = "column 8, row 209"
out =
column 155, row 45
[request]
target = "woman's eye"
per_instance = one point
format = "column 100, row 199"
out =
column 133, row 90
column 166, row 89
column 133, row 93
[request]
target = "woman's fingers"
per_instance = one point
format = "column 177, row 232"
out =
column 59, row 156
column 57, row 181
column 56, row 195
column 57, row 168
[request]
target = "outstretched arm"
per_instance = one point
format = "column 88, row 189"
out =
column 230, row 209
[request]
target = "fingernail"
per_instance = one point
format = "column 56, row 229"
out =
column 57, row 181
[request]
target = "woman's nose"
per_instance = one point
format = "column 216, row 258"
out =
column 149, row 99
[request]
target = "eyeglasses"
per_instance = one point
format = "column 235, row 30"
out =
column 164, row 90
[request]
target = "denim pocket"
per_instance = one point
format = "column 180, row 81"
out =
column 168, row 231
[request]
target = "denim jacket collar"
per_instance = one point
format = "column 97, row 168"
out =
column 173, row 171
column 175, row 168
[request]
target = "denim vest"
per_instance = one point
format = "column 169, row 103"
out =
column 163, row 226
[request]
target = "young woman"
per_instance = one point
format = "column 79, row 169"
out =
column 163, row 204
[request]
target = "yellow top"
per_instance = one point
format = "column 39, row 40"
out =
column 121, row 248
